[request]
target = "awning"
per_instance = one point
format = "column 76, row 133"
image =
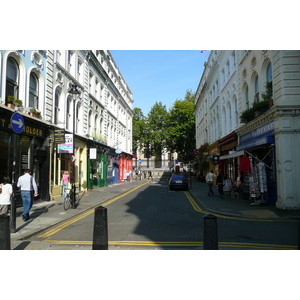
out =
column 233, row 154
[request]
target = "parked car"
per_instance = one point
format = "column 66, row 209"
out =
column 178, row 182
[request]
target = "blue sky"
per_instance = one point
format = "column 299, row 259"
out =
column 160, row 75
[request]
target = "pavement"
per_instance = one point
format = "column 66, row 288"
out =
column 45, row 214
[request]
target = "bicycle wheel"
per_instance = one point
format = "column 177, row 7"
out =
column 77, row 199
column 67, row 202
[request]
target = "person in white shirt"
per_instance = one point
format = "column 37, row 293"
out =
column 210, row 181
column 5, row 195
column 29, row 190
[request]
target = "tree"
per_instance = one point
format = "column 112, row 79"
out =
column 181, row 133
column 138, row 126
column 156, row 131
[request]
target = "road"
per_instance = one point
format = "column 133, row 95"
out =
column 152, row 217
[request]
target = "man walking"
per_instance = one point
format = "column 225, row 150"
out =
column 209, row 180
column 29, row 190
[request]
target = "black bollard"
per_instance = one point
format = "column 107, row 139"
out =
column 100, row 235
column 210, row 236
column 4, row 233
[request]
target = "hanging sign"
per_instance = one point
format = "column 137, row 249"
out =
column 59, row 136
column 67, row 147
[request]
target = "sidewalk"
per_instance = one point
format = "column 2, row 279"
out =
column 237, row 207
column 45, row 214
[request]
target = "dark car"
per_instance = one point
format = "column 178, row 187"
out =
column 178, row 182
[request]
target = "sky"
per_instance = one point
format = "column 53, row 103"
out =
column 160, row 75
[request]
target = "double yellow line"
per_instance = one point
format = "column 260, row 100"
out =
column 81, row 216
column 180, row 244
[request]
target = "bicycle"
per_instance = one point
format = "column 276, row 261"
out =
column 68, row 201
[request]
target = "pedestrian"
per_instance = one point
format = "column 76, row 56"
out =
column 220, row 184
column 5, row 195
column 150, row 175
column 29, row 190
column 210, row 181
column 65, row 183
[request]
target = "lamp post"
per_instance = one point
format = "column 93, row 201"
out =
column 74, row 91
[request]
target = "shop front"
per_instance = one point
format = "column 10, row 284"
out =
column 213, row 156
column 257, row 165
column 125, row 166
column 228, row 162
column 27, row 147
column 97, row 167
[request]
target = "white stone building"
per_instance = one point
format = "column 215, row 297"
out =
column 234, row 81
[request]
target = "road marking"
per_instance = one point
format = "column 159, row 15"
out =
column 179, row 244
column 197, row 208
column 71, row 221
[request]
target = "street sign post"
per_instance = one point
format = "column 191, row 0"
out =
column 17, row 123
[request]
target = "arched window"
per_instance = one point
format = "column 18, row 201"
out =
column 33, row 91
column 68, row 116
column 256, row 90
column 12, row 78
column 247, row 97
column 269, row 73
column 56, row 106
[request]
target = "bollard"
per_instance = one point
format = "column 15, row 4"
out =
column 4, row 233
column 210, row 236
column 100, row 235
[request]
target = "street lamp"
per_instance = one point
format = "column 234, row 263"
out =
column 74, row 91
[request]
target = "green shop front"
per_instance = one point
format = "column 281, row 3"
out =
column 97, row 166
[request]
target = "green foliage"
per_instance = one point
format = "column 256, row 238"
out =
column 257, row 109
column 173, row 130
column 181, row 133
column 138, row 127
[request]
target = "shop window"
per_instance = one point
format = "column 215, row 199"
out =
column 12, row 78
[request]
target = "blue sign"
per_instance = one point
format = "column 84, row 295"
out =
column 140, row 161
column 17, row 123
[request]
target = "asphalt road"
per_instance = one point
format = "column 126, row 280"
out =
column 152, row 217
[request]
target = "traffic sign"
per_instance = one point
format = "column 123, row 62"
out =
column 17, row 123
column 140, row 161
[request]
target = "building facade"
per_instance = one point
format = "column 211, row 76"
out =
column 247, row 106
column 102, row 113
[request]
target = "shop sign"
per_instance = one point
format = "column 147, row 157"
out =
column 59, row 136
column 67, row 147
column 263, row 130
column 5, row 124
column 93, row 153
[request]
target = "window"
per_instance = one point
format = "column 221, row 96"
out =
column 269, row 73
column 56, row 106
column 33, row 91
column 12, row 78
column 247, row 97
column 256, row 90
column 69, row 66
column 68, row 116
column 79, row 71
